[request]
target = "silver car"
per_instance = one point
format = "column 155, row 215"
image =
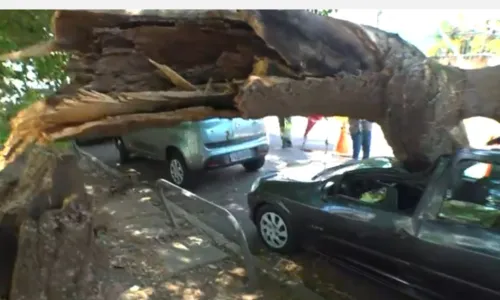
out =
column 194, row 146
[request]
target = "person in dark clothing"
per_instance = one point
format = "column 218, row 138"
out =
column 361, row 134
column 285, row 131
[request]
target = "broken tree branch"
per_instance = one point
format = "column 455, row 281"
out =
column 304, row 63
column 262, row 96
column 176, row 79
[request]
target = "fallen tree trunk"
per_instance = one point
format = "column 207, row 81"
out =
column 46, row 230
column 155, row 68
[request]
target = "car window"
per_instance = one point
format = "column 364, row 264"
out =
column 370, row 192
column 475, row 198
column 374, row 195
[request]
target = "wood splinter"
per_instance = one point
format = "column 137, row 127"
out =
column 174, row 77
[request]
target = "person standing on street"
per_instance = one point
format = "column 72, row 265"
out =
column 361, row 134
column 285, row 131
column 311, row 121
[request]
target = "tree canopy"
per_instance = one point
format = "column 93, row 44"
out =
column 30, row 79
column 467, row 41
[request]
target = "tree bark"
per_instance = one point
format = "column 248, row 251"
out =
column 162, row 67
column 48, row 217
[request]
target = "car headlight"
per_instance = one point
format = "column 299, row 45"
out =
column 255, row 185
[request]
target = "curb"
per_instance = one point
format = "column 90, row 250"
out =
column 298, row 288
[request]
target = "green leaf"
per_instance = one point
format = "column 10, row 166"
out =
column 22, row 80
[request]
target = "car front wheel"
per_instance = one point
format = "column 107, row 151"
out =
column 275, row 230
column 254, row 164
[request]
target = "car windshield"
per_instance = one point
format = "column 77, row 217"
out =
column 376, row 162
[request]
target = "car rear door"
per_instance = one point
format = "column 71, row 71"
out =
column 134, row 142
column 458, row 253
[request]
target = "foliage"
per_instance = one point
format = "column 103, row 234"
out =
column 26, row 81
column 467, row 40
column 323, row 12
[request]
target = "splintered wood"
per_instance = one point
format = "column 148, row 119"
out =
column 132, row 70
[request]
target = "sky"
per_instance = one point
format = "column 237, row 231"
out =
column 417, row 26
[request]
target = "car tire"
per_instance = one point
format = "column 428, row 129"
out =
column 275, row 230
column 122, row 150
column 177, row 171
column 254, row 164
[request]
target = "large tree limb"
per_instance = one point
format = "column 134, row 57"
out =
column 325, row 56
column 114, row 126
column 481, row 93
column 263, row 96
column 306, row 63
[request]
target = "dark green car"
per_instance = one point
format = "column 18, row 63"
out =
column 306, row 190
column 435, row 233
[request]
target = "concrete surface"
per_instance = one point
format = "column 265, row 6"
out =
column 188, row 253
column 179, row 254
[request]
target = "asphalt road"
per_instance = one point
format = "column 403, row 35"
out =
column 228, row 188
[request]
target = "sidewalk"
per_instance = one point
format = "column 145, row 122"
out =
column 152, row 260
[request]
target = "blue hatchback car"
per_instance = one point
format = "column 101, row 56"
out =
column 194, row 146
